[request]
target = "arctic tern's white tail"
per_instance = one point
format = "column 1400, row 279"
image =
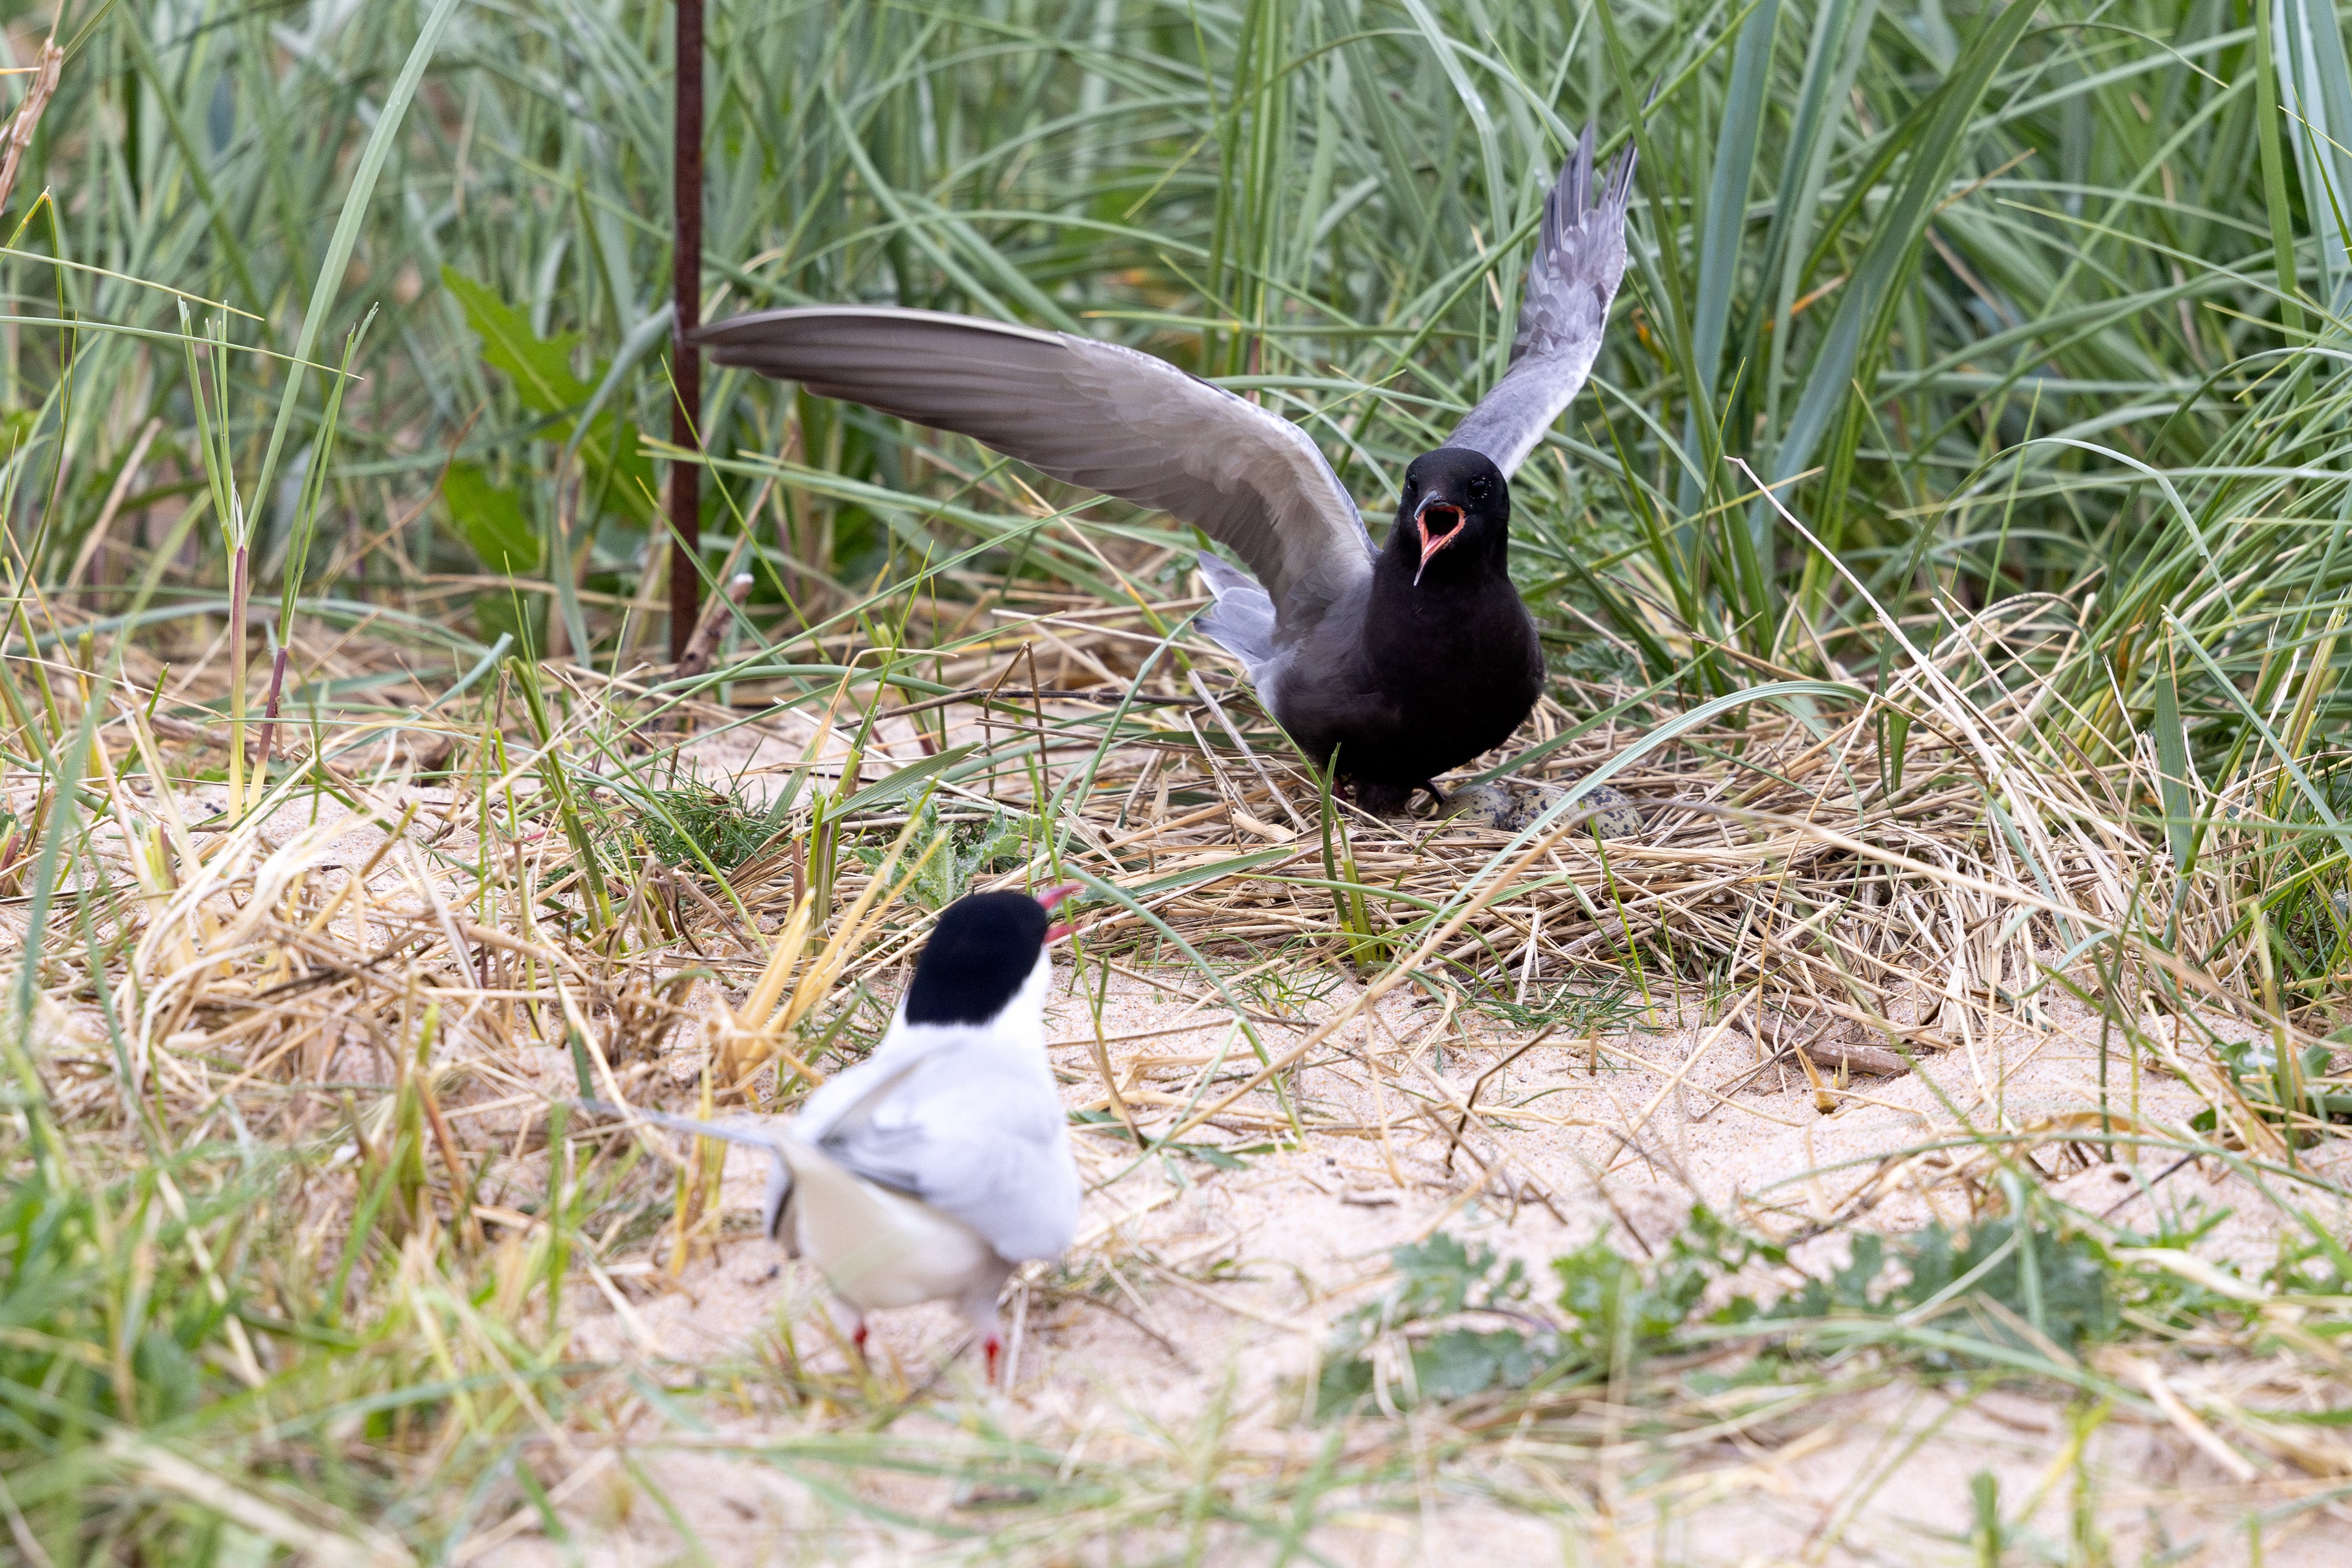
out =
column 780, row 1170
column 733, row 1132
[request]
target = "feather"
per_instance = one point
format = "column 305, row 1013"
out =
column 1579, row 262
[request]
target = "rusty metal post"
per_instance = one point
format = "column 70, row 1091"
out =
column 685, row 362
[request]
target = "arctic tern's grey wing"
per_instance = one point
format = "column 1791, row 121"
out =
column 1085, row 411
column 972, row 1135
column 1579, row 261
column 1020, row 1193
column 858, row 1087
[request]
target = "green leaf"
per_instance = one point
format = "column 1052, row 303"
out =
column 330, row 283
column 1719, row 241
column 2172, row 764
column 906, row 779
column 1346, row 1380
column 2315, row 86
column 1463, row 1362
column 2267, row 93
column 1938, row 132
column 520, row 617
column 492, row 521
column 540, row 368
column 16, row 428
column 1194, row 875
column 620, row 476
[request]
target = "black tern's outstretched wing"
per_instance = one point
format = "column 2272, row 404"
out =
column 1580, row 258
column 1087, row 413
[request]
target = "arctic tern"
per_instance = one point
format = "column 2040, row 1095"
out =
column 940, row 1162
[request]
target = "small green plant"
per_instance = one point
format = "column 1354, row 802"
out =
column 1926, row 1296
column 1562, row 1008
column 1988, row 1537
column 1210, row 1155
column 1439, row 1279
column 727, row 827
column 1610, row 1309
column 2003, row 1283
column 1349, row 904
column 1287, row 987
column 1617, row 1308
column 973, row 848
column 2279, row 1088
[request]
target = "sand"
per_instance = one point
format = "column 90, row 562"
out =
column 1239, row 1274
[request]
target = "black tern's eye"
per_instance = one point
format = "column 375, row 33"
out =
column 1481, row 487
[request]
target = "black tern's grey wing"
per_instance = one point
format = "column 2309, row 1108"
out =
column 1089, row 413
column 1242, row 620
column 1579, row 261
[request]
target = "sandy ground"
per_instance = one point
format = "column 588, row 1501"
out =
column 1241, row 1272
column 1226, row 1282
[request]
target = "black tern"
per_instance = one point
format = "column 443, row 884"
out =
column 1392, row 665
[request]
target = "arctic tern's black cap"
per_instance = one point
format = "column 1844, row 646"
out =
column 982, row 950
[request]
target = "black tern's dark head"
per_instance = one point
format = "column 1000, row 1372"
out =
column 982, row 954
column 1455, row 514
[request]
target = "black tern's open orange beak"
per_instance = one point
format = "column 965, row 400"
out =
column 1430, row 545
column 1051, row 896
